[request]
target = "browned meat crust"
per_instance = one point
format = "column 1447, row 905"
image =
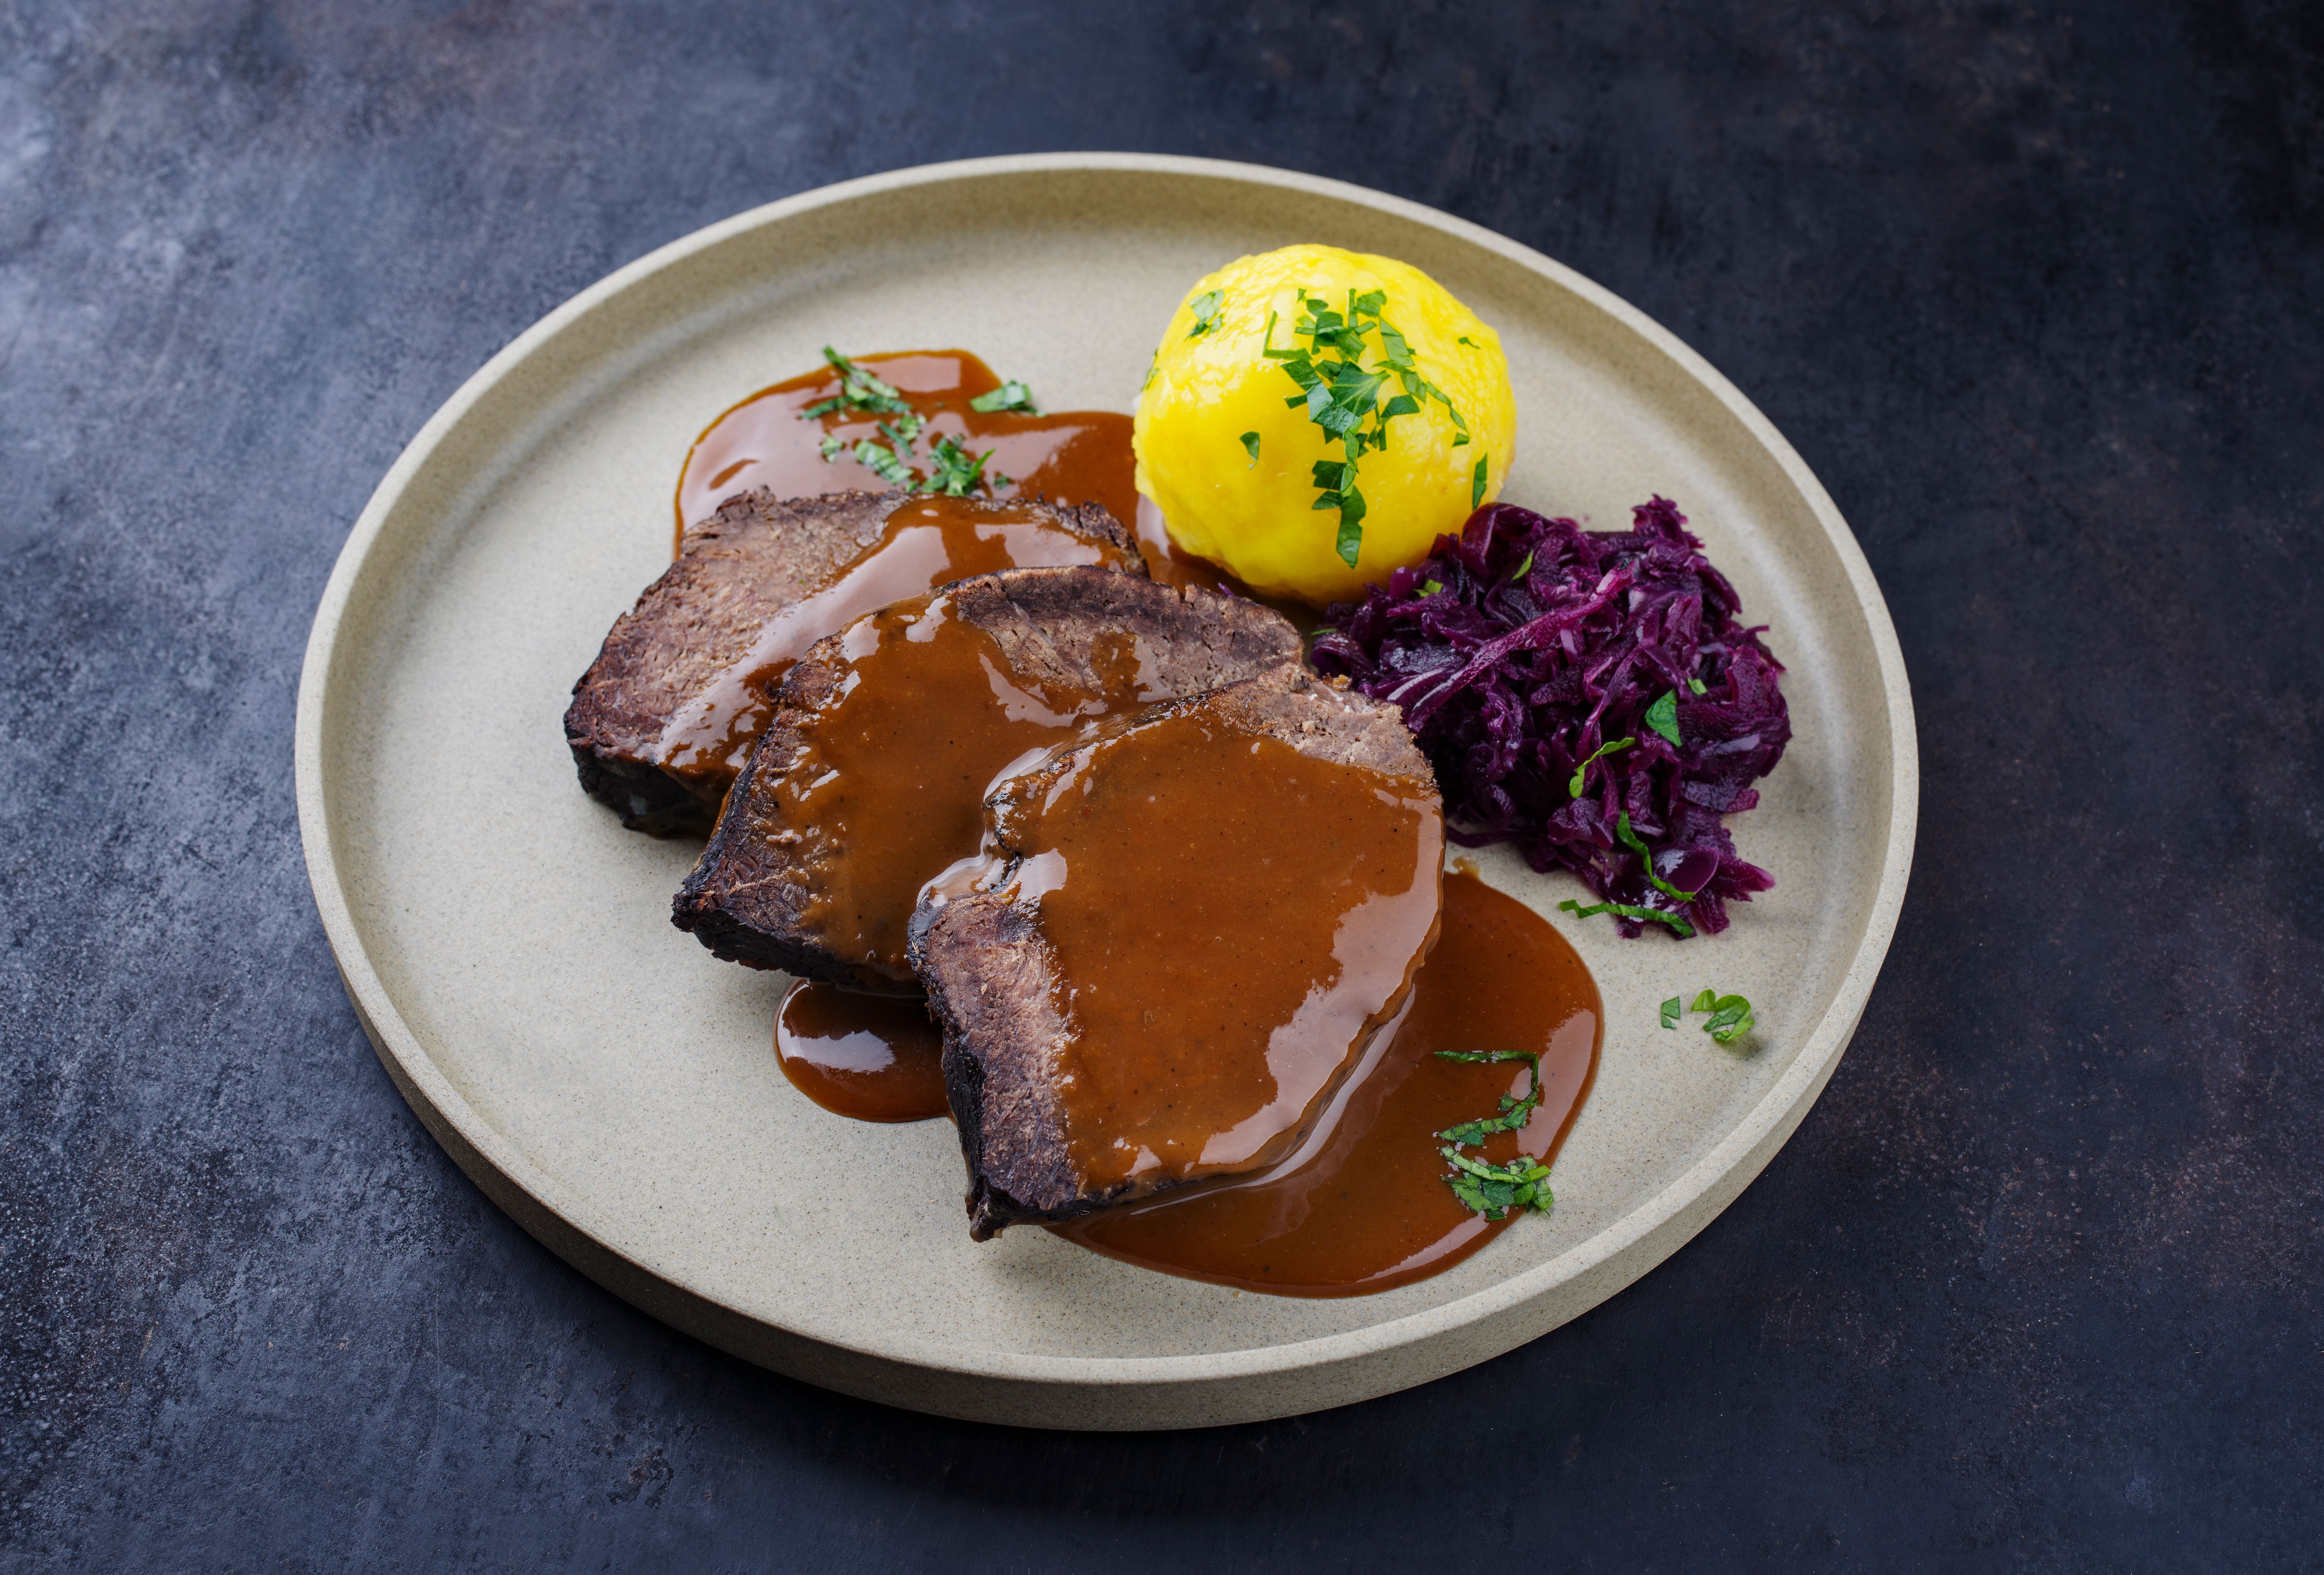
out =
column 757, row 555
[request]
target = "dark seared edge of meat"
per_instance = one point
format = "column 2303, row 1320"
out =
column 755, row 554
column 647, row 799
column 989, row 972
column 748, row 897
column 736, row 569
column 988, row 985
column 741, row 900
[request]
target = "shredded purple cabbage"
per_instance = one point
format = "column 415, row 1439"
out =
column 1546, row 641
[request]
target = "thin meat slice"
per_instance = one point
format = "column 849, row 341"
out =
column 664, row 718
column 870, row 778
column 1181, row 933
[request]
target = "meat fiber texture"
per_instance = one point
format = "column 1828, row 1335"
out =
column 736, row 570
column 1523, row 646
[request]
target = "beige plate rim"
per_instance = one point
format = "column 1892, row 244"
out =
column 1614, row 1256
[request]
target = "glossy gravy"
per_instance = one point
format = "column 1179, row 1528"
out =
column 926, row 543
column 1362, row 1205
column 874, row 1058
column 924, row 687
column 1068, row 456
column 1230, row 918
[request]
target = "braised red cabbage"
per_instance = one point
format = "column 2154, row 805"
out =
column 1528, row 647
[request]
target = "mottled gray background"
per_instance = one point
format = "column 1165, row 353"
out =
column 2034, row 288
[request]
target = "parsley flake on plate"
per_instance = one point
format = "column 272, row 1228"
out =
column 1008, row 396
column 1493, row 1190
column 1730, row 1015
column 952, row 470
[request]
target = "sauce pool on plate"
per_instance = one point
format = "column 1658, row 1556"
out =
column 874, row 1058
column 1067, row 456
column 1362, row 1205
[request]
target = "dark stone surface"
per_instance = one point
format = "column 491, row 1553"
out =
column 2035, row 289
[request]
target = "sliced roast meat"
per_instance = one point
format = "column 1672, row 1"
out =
column 1183, row 931
column 664, row 718
column 870, row 778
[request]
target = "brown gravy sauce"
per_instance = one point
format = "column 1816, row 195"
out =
column 1361, row 1206
column 926, row 543
column 874, row 1058
column 1067, row 456
column 1230, row 919
column 922, row 685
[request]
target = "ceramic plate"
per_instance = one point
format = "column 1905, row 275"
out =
column 613, row 1086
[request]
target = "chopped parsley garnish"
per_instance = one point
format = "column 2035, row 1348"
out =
column 1464, row 339
column 1696, row 685
column 1673, row 1009
column 1008, row 396
column 1250, row 447
column 1209, row 308
column 1679, row 926
column 1730, row 1015
column 1663, row 716
column 1573, row 789
column 1477, row 481
column 1513, row 1111
column 952, row 469
column 1523, row 569
column 955, row 471
column 1341, row 394
column 885, row 463
column 858, row 391
column 1432, row 588
column 1730, row 1018
column 1493, row 1190
column 1629, row 839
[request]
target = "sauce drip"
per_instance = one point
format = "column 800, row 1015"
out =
column 1067, row 456
column 925, row 543
column 1362, row 1205
column 1230, row 918
column 889, row 789
column 874, row 1058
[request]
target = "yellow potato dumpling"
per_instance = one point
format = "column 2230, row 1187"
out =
column 1316, row 418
